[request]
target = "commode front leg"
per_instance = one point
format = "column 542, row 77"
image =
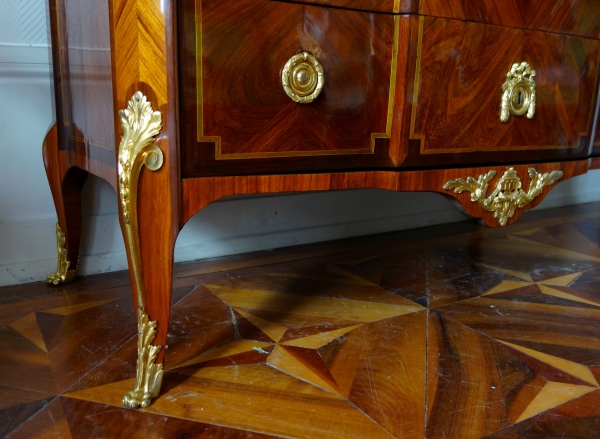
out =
column 65, row 185
column 148, row 244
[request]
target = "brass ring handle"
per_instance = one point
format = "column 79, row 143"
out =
column 518, row 97
column 303, row 78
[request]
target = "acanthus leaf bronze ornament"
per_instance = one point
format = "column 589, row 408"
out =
column 518, row 92
column 508, row 194
column 149, row 373
column 63, row 274
column 303, row 78
column 140, row 126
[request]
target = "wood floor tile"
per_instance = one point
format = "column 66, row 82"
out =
column 237, row 405
column 389, row 380
column 199, row 323
column 578, row 418
column 553, row 394
column 18, row 405
column 92, row 420
column 28, row 327
column 23, row 364
column 49, row 422
column 473, row 382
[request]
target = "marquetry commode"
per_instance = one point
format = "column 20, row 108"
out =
column 177, row 103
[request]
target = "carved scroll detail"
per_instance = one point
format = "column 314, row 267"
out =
column 63, row 274
column 140, row 126
column 508, row 194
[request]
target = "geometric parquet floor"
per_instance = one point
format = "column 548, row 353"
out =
column 453, row 331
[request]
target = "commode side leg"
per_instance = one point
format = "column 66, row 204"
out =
column 149, row 244
column 66, row 186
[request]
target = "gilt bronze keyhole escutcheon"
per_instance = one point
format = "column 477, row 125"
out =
column 303, row 78
column 518, row 92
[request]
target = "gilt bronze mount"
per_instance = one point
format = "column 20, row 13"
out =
column 140, row 126
column 303, row 78
column 518, row 92
column 508, row 194
column 62, row 274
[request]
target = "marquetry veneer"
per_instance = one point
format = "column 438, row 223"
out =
column 411, row 93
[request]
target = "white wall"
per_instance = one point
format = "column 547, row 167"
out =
column 234, row 225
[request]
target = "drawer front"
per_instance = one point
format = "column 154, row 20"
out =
column 575, row 17
column 459, row 75
column 236, row 116
column 572, row 17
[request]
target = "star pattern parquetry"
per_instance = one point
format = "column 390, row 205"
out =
column 487, row 335
column 296, row 348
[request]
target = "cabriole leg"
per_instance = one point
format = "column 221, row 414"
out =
column 150, row 262
column 66, row 186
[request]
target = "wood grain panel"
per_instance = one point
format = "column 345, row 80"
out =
column 242, row 97
column 140, row 48
column 197, row 193
column 83, row 86
column 462, row 113
column 89, row 72
column 240, row 110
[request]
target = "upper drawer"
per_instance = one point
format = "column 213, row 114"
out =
column 236, row 114
column 460, row 74
column 574, row 17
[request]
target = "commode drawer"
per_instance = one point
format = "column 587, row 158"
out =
column 247, row 68
column 570, row 17
column 484, row 93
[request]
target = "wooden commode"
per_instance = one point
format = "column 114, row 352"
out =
column 178, row 103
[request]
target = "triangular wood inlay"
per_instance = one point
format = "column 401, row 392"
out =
column 318, row 340
column 507, row 285
column 28, row 327
column 518, row 274
column 551, row 395
column 557, row 293
column 577, row 370
column 72, row 309
column 273, row 330
column 305, row 364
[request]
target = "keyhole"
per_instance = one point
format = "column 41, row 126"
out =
column 520, row 98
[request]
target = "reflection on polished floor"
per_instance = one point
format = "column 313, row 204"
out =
column 454, row 331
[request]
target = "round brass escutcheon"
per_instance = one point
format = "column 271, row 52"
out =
column 303, row 78
column 520, row 99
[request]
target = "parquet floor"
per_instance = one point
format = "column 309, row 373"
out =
column 454, row 331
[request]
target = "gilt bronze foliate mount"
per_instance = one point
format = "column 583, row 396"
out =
column 62, row 274
column 508, row 194
column 137, row 149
